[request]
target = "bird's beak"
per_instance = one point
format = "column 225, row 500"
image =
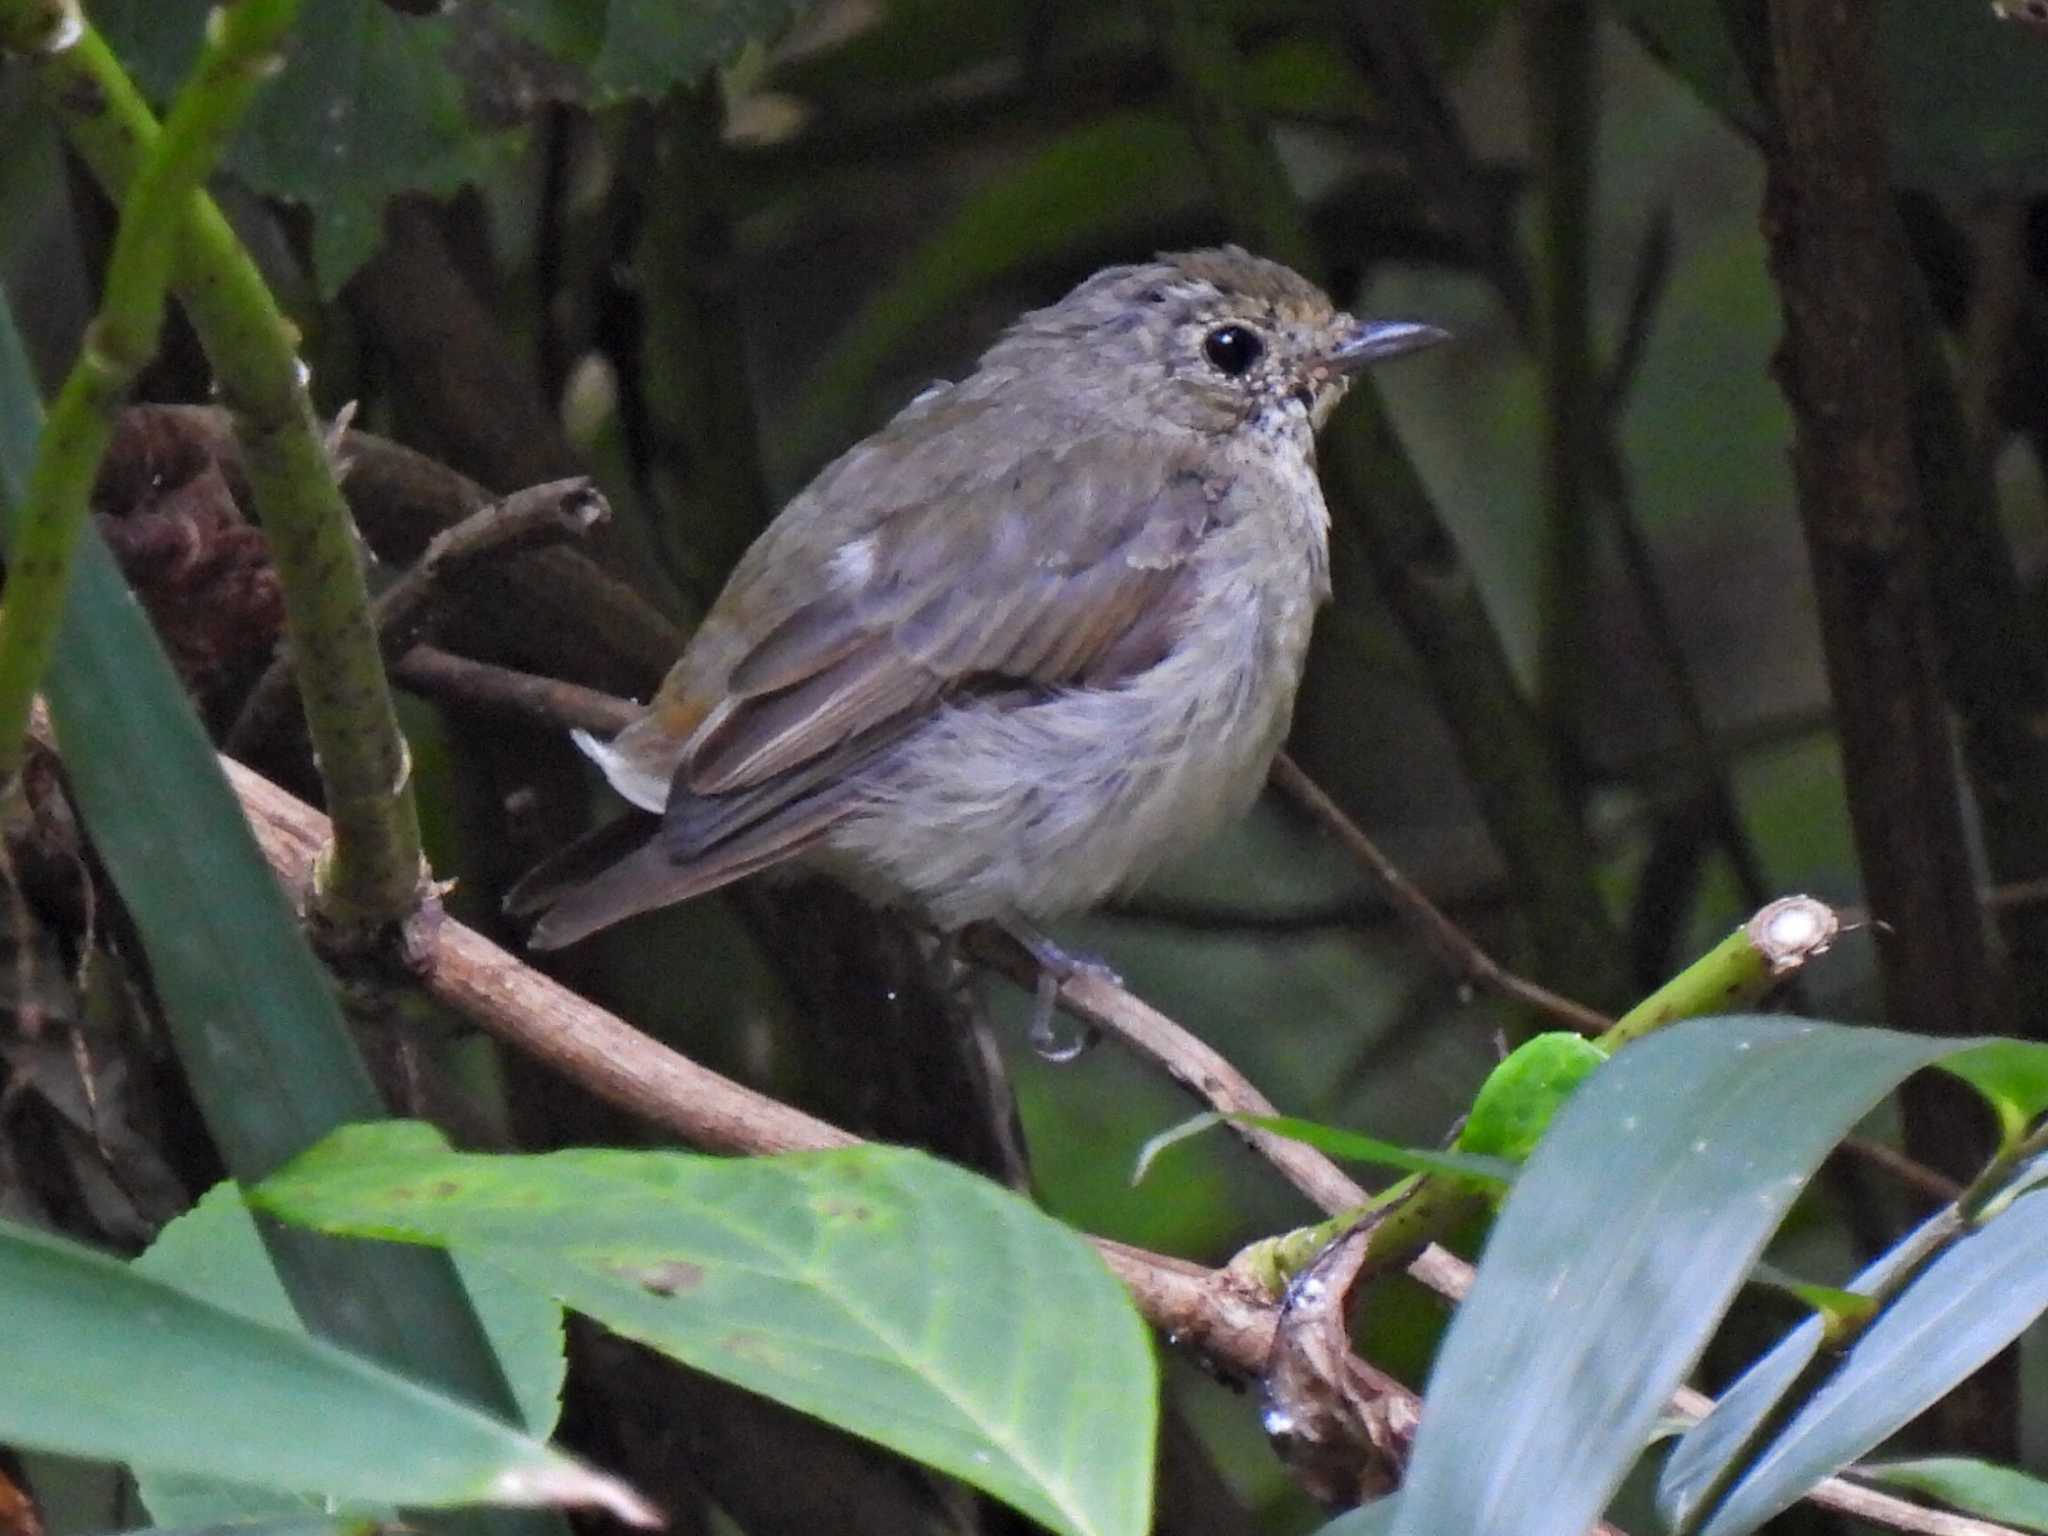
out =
column 1372, row 341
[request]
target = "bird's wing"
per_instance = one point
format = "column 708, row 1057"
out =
column 1070, row 570
column 1081, row 578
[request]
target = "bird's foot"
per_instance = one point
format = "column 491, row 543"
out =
column 1056, row 966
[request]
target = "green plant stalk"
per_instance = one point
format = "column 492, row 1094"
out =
column 239, row 53
column 373, row 875
column 1413, row 557
column 1734, row 974
column 1424, row 1208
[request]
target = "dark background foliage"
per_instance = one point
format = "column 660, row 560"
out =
column 696, row 250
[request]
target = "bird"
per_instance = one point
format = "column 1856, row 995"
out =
column 1038, row 635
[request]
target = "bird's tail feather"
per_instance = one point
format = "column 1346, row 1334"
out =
column 627, row 867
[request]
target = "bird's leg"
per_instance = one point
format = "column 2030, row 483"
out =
column 1055, row 966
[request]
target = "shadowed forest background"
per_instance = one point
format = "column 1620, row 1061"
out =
column 1579, row 678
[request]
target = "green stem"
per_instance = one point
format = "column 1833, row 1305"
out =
column 240, row 51
column 1385, row 505
column 1423, row 1208
column 373, row 875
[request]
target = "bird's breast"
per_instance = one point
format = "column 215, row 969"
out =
column 996, row 807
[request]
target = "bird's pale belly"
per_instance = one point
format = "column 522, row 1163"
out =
column 1047, row 808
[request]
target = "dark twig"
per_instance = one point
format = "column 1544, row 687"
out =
column 1212, row 1312
column 1856, row 345
column 1389, row 518
column 1465, row 960
column 1645, row 296
column 543, row 701
column 528, row 519
column 1157, row 1039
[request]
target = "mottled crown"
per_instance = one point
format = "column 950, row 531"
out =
column 1222, row 279
column 1141, row 342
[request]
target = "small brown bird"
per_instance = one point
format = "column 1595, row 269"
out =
column 1037, row 635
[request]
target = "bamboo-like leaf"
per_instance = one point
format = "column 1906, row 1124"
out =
column 1616, row 1253
column 1979, row 1487
column 1972, row 1301
column 214, row 1252
column 105, row 1363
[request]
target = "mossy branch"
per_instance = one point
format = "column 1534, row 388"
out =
column 373, row 876
column 240, row 53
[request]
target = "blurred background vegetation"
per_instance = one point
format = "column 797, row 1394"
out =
column 695, row 251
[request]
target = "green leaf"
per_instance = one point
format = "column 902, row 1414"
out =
column 1374, row 1519
column 895, row 1295
column 1978, row 1487
column 1519, row 1098
column 1367, row 1149
column 293, row 1525
column 646, row 47
column 213, row 1252
column 368, row 107
column 1970, row 1303
column 1837, row 1307
column 104, row 1363
column 369, row 104
column 2012, row 1074
column 1625, row 1236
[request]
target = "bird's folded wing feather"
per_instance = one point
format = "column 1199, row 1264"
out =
column 1074, row 576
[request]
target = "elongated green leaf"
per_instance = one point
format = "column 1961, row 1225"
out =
column 1970, row 1303
column 895, row 1295
column 104, row 1363
column 257, row 1029
column 2012, row 1074
column 1374, row 1519
column 213, row 1252
column 294, row 1525
column 1616, row 1253
column 2004, row 1494
column 1367, row 1149
column 1708, row 1444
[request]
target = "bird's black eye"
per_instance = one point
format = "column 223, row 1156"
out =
column 1233, row 349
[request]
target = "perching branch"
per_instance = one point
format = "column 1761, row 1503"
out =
column 1458, row 951
column 1210, row 1312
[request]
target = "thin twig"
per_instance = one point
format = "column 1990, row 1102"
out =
column 544, row 701
column 1466, row 961
column 1205, row 1310
column 1154, row 1037
column 529, row 519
